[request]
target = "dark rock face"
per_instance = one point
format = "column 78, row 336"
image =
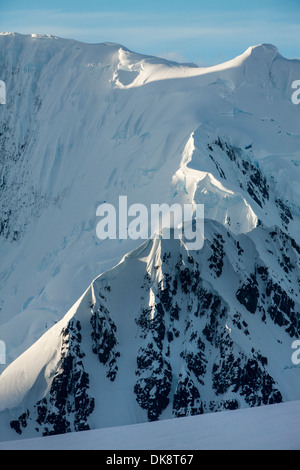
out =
column 250, row 177
column 187, row 361
column 282, row 309
column 154, row 381
column 68, row 404
column 104, row 343
column 285, row 212
column 256, row 183
column 190, row 317
column 216, row 259
column 248, row 294
column 154, row 373
column 246, row 376
column 187, row 400
column 263, row 292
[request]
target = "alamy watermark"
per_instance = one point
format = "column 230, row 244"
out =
column 2, row 92
column 162, row 220
column 296, row 94
column 296, row 354
column 2, row 352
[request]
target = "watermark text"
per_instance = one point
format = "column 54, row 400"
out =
column 296, row 354
column 2, row 92
column 296, row 94
column 2, row 352
column 137, row 222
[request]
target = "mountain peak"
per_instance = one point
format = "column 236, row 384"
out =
column 263, row 52
column 264, row 47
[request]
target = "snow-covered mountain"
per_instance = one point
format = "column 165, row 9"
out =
column 166, row 333
column 162, row 332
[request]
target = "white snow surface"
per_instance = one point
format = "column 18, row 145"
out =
column 269, row 427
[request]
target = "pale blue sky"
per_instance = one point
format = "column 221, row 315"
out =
column 204, row 32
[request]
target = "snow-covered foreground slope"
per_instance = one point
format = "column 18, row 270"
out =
column 271, row 427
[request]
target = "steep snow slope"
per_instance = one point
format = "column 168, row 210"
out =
column 85, row 123
column 166, row 333
column 272, row 427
